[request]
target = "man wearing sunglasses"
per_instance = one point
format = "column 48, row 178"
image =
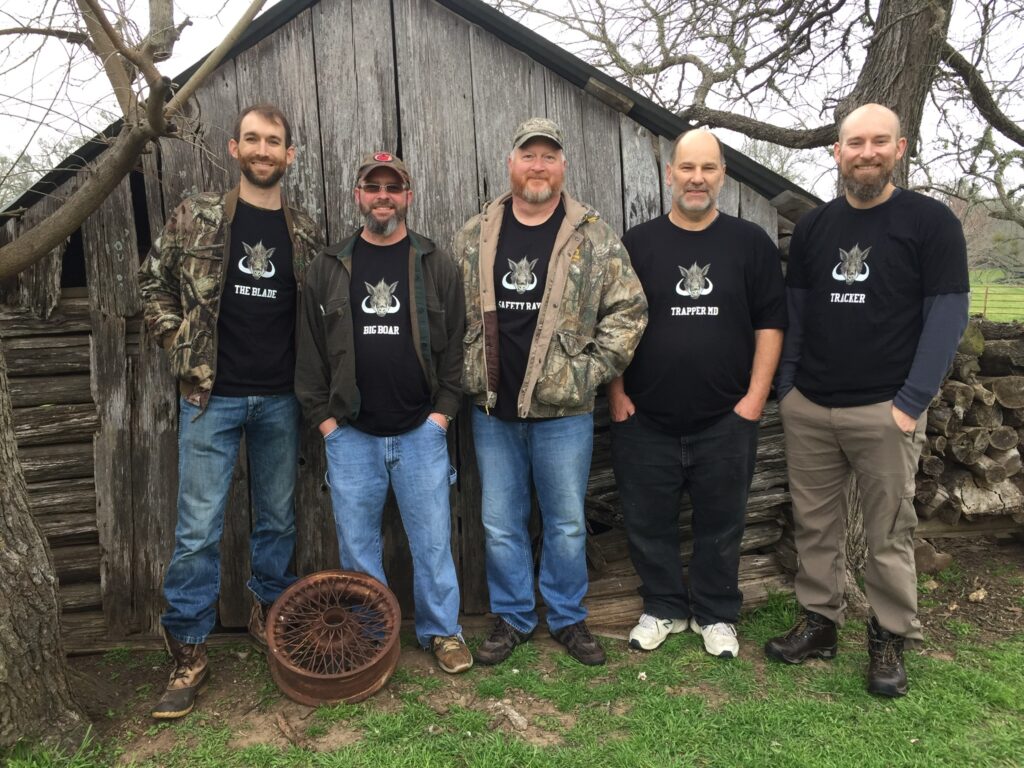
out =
column 379, row 361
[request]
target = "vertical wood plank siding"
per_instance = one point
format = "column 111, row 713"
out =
column 354, row 76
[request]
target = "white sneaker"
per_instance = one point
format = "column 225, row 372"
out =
column 719, row 639
column 650, row 631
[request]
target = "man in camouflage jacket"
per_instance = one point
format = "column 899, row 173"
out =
column 553, row 310
column 221, row 292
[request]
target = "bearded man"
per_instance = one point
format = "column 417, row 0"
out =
column 553, row 311
column 220, row 291
column 877, row 290
column 380, row 356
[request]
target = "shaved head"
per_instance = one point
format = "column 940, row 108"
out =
column 876, row 114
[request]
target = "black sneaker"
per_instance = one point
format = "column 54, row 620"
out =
column 499, row 645
column 580, row 644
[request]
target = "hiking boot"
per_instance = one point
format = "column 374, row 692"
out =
column 502, row 641
column 719, row 638
column 451, row 653
column 650, row 631
column 813, row 636
column 190, row 672
column 886, row 674
column 580, row 644
column 258, row 623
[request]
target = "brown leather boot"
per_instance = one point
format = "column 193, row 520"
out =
column 190, row 672
column 258, row 623
column 813, row 636
column 886, row 674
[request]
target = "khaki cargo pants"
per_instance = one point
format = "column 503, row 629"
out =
column 823, row 446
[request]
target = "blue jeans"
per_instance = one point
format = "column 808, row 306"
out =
column 359, row 469
column 556, row 452
column 207, row 451
column 715, row 466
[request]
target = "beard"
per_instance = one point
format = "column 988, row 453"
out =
column 264, row 182
column 534, row 196
column 384, row 228
column 868, row 189
column 707, row 205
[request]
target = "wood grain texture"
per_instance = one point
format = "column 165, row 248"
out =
column 565, row 107
column 279, row 69
column 355, row 78
column 640, row 173
column 112, row 255
column 316, row 540
column 755, row 208
column 55, row 424
column 436, row 114
column 154, row 429
column 113, row 468
column 602, row 153
column 50, row 390
column 508, row 88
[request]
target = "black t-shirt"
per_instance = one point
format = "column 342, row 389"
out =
column 394, row 394
column 520, row 274
column 707, row 292
column 256, row 325
column 866, row 273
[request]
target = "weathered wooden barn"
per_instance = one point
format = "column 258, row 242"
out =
column 441, row 82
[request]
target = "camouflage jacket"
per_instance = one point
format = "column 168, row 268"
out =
column 182, row 278
column 325, row 366
column 591, row 317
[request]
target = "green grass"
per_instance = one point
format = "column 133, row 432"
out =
column 673, row 707
column 994, row 299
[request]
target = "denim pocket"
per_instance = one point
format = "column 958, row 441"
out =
column 436, row 426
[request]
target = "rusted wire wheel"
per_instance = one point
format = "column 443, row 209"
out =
column 333, row 636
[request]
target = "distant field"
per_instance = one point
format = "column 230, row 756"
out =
column 996, row 301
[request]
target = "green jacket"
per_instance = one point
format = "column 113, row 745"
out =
column 590, row 321
column 183, row 276
column 325, row 367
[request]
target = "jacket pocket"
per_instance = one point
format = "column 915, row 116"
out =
column 438, row 328
column 337, row 329
column 567, row 379
column 474, row 380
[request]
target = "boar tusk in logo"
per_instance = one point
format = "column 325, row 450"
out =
column 695, row 282
column 381, row 299
column 520, row 277
column 259, row 261
column 852, row 267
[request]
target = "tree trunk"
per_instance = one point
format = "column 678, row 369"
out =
column 901, row 60
column 35, row 700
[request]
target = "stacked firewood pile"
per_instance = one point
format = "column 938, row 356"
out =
column 613, row 598
column 970, row 469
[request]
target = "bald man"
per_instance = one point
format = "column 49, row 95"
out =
column 685, row 413
column 877, row 290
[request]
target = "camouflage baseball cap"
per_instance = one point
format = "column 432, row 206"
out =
column 376, row 160
column 537, row 126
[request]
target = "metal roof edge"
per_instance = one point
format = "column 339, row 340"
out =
column 647, row 113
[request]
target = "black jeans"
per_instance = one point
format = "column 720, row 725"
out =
column 715, row 466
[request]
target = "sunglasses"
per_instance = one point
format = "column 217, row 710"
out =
column 372, row 189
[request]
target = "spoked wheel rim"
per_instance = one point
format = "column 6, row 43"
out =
column 332, row 636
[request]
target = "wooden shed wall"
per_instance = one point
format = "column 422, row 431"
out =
column 95, row 405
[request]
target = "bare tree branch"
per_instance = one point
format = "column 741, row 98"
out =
column 981, row 95
column 67, row 35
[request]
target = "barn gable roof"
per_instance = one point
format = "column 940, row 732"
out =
column 643, row 111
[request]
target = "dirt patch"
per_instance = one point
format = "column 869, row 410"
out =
column 118, row 689
column 980, row 597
